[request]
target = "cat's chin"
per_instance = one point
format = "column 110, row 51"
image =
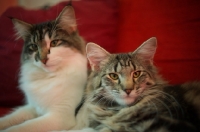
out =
column 48, row 67
column 127, row 100
column 51, row 67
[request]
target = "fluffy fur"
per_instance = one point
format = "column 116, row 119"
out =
column 52, row 76
column 125, row 93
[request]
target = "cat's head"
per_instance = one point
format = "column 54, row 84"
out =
column 47, row 45
column 122, row 78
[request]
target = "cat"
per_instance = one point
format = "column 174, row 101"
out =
column 53, row 75
column 125, row 93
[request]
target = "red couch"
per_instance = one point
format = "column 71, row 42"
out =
column 118, row 26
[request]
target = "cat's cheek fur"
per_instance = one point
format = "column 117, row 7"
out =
column 39, row 65
column 58, row 57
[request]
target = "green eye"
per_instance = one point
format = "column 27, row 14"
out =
column 136, row 74
column 114, row 76
column 54, row 43
column 32, row 47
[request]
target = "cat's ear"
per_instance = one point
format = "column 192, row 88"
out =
column 22, row 28
column 96, row 55
column 67, row 19
column 147, row 50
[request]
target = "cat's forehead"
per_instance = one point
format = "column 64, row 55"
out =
column 43, row 27
column 123, row 58
column 39, row 31
column 120, row 62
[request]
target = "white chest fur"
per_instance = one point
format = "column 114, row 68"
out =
column 58, row 89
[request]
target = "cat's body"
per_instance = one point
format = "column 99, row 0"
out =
column 164, row 111
column 126, row 94
column 52, row 76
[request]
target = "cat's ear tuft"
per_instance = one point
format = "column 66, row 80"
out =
column 96, row 55
column 147, row 50
column 22, row 28
column 67, row 20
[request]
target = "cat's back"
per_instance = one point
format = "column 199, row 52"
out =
column 187, row 96
column 192, row 95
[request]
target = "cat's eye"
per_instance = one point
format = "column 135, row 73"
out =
column 136, row 74
column 114, row 76
column 54, row 43
column 32, row 47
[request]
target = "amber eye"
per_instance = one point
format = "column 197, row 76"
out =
column 136, row 74
column 54, row 43
column 32, row 47
column 114, row 76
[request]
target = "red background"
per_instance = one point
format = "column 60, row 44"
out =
column 175, row 23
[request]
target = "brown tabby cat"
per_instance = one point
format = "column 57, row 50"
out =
column 126, row 94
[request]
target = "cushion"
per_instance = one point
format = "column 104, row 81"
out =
column 176, row 24
column 97, row 22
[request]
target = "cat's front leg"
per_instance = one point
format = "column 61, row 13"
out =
column 126, row 118
column 97, row 113
column 18, row 116
column 103, row 116
column 121, row 120
column 45, row 123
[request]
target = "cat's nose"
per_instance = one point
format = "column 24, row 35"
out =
column 128, row 91
column 44, row 61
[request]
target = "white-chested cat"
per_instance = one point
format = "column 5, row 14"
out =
column 53, row 75
column 125, row 93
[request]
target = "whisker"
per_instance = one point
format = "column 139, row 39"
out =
column 98, row 102
column 160, row 93
column 154, row 92
column 151, row 102
column 164, row 106
column 173, row 99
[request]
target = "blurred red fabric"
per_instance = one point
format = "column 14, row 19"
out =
column 176, row 24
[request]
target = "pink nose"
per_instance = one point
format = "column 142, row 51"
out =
column 128, row 91
column 44, row 61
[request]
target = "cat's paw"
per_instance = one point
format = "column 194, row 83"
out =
column 111, row 124
column 121, row 121
column 3, row 124
column 125, row 114
column 98, row 113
